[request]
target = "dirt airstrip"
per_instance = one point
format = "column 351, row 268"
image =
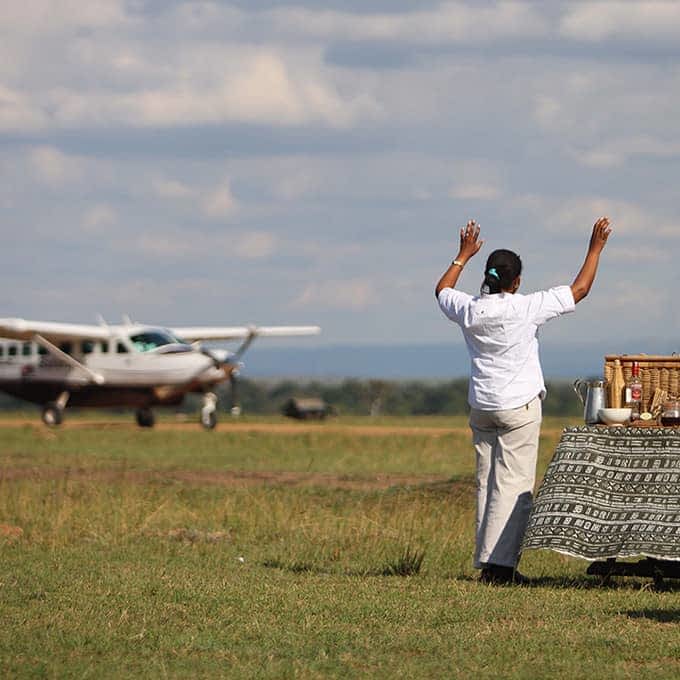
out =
column 286, row 428
column 233, row 426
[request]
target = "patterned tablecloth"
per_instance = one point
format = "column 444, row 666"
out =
column 610, row 492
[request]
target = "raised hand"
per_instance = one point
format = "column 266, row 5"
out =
column 469, row 243
column 601, row 231
column 584, row 279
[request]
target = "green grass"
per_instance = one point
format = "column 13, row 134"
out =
column 250, row 554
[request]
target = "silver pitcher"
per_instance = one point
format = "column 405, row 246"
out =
column 595, row 399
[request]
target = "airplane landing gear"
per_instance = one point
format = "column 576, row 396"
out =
column 145, row 417
column 52, row 415
column 209, row 411
column 235, row 402
column 53, row 412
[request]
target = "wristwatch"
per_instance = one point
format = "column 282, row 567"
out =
column 459, row 263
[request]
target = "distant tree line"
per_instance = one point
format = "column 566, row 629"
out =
column 362, row 397
column 383, row 397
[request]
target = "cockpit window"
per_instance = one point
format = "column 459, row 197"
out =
column 150, row 340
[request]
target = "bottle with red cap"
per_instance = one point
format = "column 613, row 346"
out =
column 634, row 392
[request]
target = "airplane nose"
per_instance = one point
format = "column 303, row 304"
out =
column 216, row 361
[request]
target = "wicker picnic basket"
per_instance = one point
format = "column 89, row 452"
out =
column 656, row 373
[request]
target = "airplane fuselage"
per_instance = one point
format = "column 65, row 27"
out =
column 129, row 372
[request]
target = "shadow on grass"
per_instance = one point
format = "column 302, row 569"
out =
column 296, row 567
column 659, row 615
column 586, row 582
column 457, row 485
column 408, row 563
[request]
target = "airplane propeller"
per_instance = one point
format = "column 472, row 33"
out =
column 226, row 360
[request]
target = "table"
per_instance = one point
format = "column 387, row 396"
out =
column 611, row 492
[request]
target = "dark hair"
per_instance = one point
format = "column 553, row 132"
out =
column 502, row 268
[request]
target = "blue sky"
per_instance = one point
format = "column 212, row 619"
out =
column 311, row 162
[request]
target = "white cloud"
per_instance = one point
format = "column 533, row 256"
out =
column 98, row 219
column 190, row 84
column 295, row 185
column 644, row 253
column 203, row 17
column 547, row 110
column 53, row 167
column 612, row 113
column 449, row 22
column 220, row 203
column 47, row 16
column 578, row 214
column 172, row 245
column 255, row 245
column 261, row 87
column 19, row 112
column 137, row 76
column 171, row 188
column 149, row 296
column 596, row 21
column 616, row 152
column 181, row 245
column 350, row 294
column 476, row 192
column 216, row 203
column 476, row 180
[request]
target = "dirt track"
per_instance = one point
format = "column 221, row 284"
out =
column 273, row 428
column 231, row 426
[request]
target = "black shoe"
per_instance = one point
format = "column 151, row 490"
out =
column 496, row 574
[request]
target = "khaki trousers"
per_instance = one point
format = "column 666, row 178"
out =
column 506, row 445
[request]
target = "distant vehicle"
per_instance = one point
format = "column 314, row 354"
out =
column 307, row 409
column 55, row 364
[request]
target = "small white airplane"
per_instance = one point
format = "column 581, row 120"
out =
column 55, row 364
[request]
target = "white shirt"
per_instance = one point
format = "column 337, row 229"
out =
column 501, row 334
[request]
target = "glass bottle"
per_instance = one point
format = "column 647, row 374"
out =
column 634, row 392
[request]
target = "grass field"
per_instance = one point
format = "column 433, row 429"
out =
column 274, row 549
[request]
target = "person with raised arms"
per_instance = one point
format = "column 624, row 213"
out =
column 500, row 327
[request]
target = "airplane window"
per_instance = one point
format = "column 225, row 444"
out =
column 105, row 347
column 66, row 347
column 121, row 348
column 12, row 351
column 87, row 346
column 145, row 342
column 26, row 349
column 2, row 350
column 41, row 350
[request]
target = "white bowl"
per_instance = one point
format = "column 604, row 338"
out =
column 614, row 416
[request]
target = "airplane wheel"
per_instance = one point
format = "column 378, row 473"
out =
column 52, row 415
column 209, row 419
column 145, row 417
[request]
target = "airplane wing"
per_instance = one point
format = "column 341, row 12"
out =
column 190, row 334
column 21, row 329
